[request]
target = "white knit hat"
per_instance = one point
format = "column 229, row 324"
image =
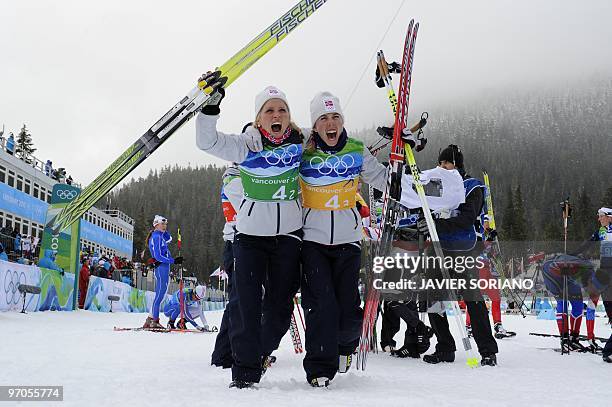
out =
column 270, row 92
column 604, row 211
column 323, row 103
column 159, row 219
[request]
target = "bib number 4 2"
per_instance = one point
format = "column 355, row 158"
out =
column 281, row 194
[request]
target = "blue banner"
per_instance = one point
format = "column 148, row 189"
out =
column 22, row 204
column 95, row 233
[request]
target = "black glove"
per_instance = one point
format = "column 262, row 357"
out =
column 386, row 132
column 178, row 260
column 211, row 108
column 394, row 67
column 422, row 226
column 492, row 235
column 379, row 80
column 157, row 264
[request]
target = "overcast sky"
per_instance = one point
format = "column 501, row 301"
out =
column 89, row 77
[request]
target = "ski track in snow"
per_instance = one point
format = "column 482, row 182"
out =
column 100, row 367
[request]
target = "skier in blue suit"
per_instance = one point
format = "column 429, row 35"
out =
column 192, row 309
column 157, row 241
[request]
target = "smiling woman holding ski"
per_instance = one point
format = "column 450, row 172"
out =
column 332, row 165
column 269, row 226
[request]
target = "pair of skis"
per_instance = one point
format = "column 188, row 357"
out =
column 392, row 208
column 392, row 190
column 182, row 111
column 195, row 331
column 294, row 330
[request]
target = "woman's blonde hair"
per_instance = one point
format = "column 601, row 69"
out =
column 293, row 126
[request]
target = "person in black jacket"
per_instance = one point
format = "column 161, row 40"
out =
column 458, row 238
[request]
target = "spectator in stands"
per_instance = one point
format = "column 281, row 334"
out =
column 69, row 180
column 100, row 272
column 3, row 255
column 48, row 168
column 10, row 144
column 48, row 261
column 26, row 246
column 17, row 243
column 35, row 242
column 83, row 282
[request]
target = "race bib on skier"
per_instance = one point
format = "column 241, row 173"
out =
column 329, row 181
column 272, row 174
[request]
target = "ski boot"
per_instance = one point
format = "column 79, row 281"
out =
column 171, row 324
column 155, row 325
column 594, row 346
column 423, row 336
column 320, row 382
column 437, row 357
column 388, row 349
column 468, row 329
column 405, row 352
column 344, row 363
column 240, row 384
column 181, row 324
column 148, row 322
column 489, row 359
column 575, row 343
column 500, row 331
column 607, row 358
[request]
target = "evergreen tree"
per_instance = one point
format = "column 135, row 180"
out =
column 519, row 231
column 24, row 145
column 508, row 220
column 583, row 219
column 141, row 230
column 607, row 198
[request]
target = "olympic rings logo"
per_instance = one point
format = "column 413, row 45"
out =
column 282, row 154
column 332, row 163
column 66, row 194
column 12, row 280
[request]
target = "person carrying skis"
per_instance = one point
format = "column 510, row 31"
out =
column 458, row 238
column 157, row 242
column 193, row 309
column 332, row 164
column 269, row 224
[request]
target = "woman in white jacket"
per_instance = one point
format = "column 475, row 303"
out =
column 332, row 165
column 269, row 225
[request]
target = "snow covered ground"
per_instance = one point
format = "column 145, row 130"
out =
column 100, row 367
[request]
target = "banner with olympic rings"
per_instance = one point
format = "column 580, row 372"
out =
column 56, row 290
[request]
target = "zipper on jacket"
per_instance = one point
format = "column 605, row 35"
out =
column 355, row 216
column 277, row 218
column 307, row 213
column 331, row 240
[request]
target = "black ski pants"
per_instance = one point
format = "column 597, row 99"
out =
column 330, row 298
column 222, row 354
column 275, row 262
column 481, row 326
column 393, row 312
